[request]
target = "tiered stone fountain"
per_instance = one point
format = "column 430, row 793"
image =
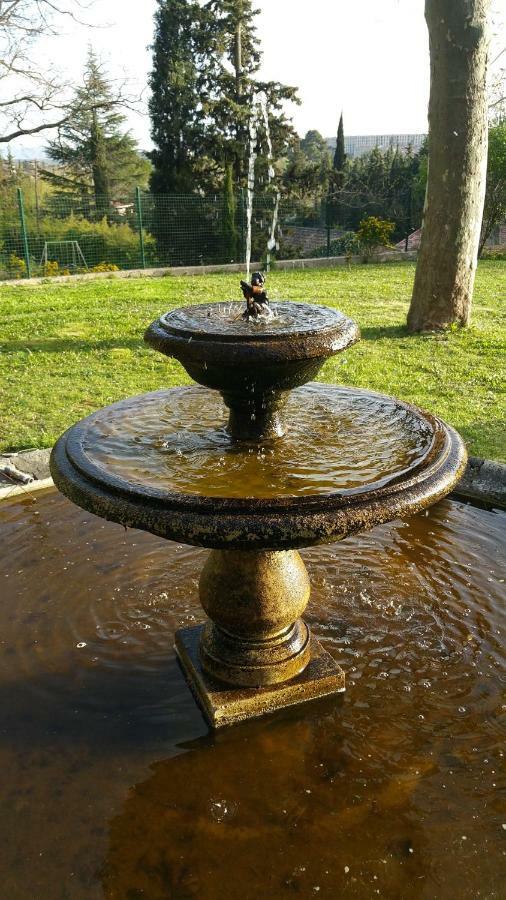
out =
column 297, row 464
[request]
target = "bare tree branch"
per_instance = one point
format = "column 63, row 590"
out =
column 34, row 100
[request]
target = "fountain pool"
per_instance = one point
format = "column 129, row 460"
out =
column 114, row 787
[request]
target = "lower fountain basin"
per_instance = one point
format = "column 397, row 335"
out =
column 354, row 459
column 112, row 785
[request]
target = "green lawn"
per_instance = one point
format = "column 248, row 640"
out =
column 66, row 349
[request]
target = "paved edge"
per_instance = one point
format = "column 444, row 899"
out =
column 483, row 481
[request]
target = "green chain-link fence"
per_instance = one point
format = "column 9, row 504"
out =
column 69, row 235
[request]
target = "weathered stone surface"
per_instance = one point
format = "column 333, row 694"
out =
column 483, row 480
column 278, row 523
column 253, row 368
column 33, row 462
column 254, row 601
column 254, row 585
column 224, row 705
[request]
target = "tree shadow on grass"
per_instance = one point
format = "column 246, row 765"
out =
column 376, row 332
column 65, row 345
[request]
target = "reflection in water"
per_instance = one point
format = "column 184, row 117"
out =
column 113, row 787
column 337, row 439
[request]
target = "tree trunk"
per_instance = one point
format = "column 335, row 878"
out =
column 444, row 279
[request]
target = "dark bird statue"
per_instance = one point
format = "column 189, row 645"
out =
column 257, row 301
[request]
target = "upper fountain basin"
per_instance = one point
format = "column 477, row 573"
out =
column 221, row 350
column 165, row 463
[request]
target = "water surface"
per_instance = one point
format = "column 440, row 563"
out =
column 337, row 440
column 225, row 320
column 112, row 786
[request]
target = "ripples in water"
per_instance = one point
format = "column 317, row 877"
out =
column 337, row 440
column 113, row 787
column 225, row 319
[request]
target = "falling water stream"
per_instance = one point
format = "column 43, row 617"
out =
column 260, row 104
column 250, row 189
column 113, row 787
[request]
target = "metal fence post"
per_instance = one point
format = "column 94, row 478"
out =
column 138, row 203
column 23, row 233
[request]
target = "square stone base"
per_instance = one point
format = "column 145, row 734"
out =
column 224, row 705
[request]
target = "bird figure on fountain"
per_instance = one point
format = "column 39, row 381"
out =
column 257, row 301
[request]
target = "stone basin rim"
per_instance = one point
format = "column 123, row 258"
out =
column 240, row 351
column 79, row 458
column 434, row 459
column 283, row 528
column 331, row 319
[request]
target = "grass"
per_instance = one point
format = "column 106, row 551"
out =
column 67, row 349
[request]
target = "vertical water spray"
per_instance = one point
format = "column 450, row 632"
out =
column 251, row 185
column 260, row 104
column 271, row 243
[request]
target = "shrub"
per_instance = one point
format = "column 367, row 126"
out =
column 105, row 267
column 16, row 266
column 50, row 268
column 98, row 241
column 493, row 253
column 348, row 245
column 373, row 233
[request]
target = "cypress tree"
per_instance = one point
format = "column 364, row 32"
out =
column 340, row 155
column 180, row 81
column 336, row 180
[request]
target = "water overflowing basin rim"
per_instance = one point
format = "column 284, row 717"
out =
column 223, row 322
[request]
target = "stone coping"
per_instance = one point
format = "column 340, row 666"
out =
column 484, row 480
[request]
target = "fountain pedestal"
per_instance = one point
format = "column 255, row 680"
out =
column 225, row 704
column 255, row 637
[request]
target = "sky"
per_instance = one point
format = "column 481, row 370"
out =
column 366, row 58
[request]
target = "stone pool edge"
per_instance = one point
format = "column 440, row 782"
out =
column 484, row 480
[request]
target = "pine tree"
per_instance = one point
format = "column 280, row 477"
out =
column 98, row 159
column 97, row 156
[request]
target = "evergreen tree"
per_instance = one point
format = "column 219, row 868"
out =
column 314, row 145
column 181, row 82
column 304, row 176
column 339, row 154
column 205, row 61
column 337, row 176
column 239, row 54
column 98, row 158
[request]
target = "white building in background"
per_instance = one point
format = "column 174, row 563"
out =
column 358, row 144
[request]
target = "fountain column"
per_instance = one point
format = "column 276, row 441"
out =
column 254, row 600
